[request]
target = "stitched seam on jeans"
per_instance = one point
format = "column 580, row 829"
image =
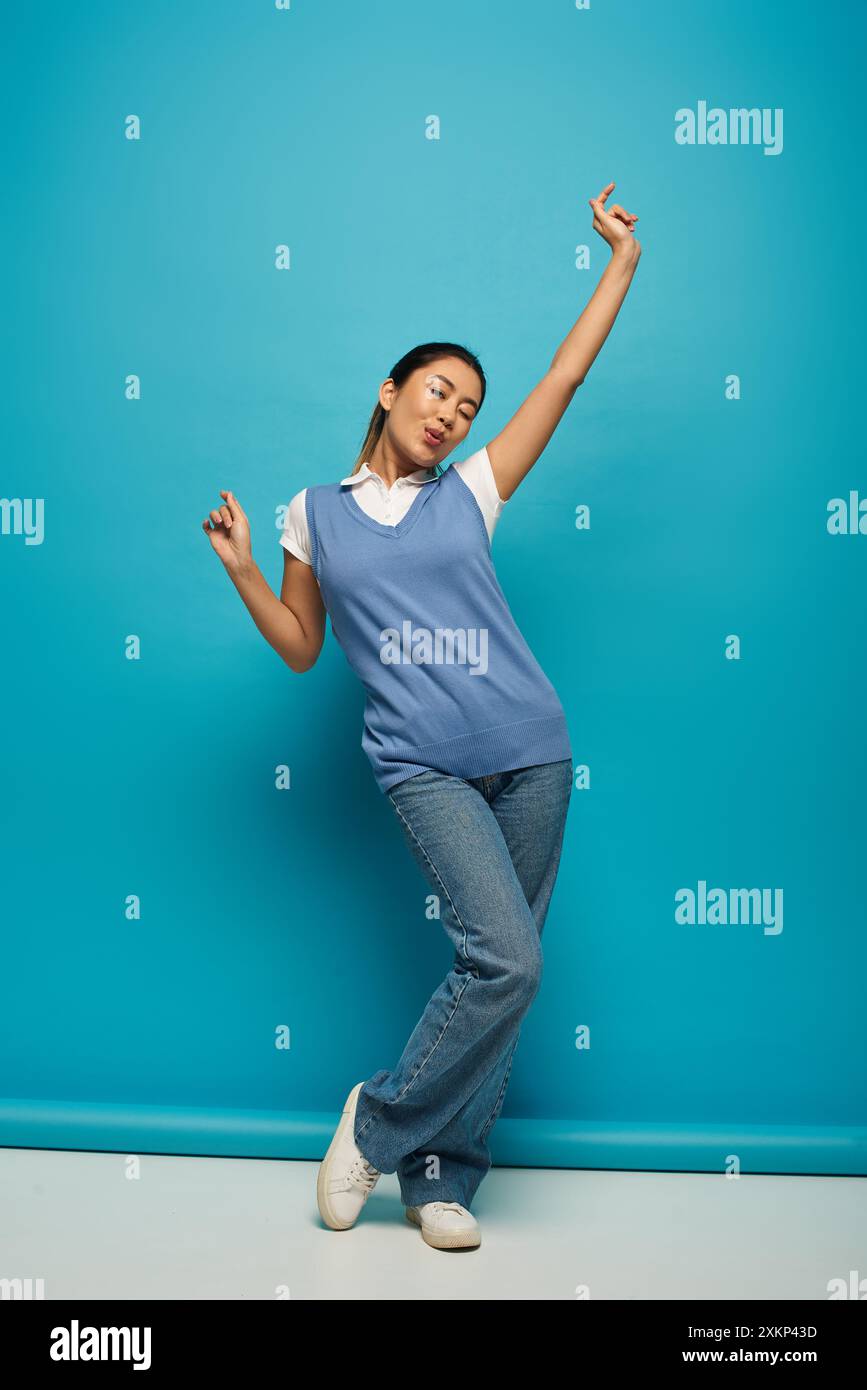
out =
column 438, row 877
column 489, row 1122
column 466, row 982
column 417, row 1073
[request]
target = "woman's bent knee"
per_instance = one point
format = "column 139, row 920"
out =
column 520, row 979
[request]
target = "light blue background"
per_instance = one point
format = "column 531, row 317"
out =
column 302, row 908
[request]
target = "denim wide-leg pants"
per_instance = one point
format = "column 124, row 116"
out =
column 490, row 849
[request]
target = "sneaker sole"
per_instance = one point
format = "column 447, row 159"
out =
column 445, row 1240
column 325, row 1211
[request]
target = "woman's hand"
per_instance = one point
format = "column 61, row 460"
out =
column 615, row 225
column 230, row 533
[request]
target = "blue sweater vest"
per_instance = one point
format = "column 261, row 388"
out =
column 417, row 608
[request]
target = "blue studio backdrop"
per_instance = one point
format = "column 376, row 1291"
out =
column 224, row 222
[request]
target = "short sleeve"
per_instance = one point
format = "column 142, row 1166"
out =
column 295, row 536
column 478, row 475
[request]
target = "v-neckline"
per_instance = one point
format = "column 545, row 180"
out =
column 406, row 522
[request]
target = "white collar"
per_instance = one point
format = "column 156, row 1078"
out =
column 421, row 475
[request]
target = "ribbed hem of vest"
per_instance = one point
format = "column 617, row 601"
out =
column 481, row 753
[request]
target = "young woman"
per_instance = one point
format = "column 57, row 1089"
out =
column 465, row 734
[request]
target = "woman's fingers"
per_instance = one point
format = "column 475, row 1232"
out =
column 616, row 213
column 225, row 515
column 222, row 516
column 598, row 205
column 235, row 508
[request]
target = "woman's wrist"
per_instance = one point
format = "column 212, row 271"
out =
column 241, row 570
column 626, row 253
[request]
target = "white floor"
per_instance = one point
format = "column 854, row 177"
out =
column 216, row 1228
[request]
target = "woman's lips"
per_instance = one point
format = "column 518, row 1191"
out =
column 431, row 438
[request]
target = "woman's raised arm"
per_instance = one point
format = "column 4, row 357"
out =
column 517, row 447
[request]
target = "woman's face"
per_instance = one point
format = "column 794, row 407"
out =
column 442, row 397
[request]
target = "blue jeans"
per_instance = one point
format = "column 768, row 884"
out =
column 490, row 848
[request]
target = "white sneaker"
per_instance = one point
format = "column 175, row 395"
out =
column 446, row 1225
column 345, row 1179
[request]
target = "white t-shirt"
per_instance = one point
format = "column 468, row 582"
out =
column 390, row 505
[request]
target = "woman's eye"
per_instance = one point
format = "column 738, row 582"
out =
column 432, row 390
